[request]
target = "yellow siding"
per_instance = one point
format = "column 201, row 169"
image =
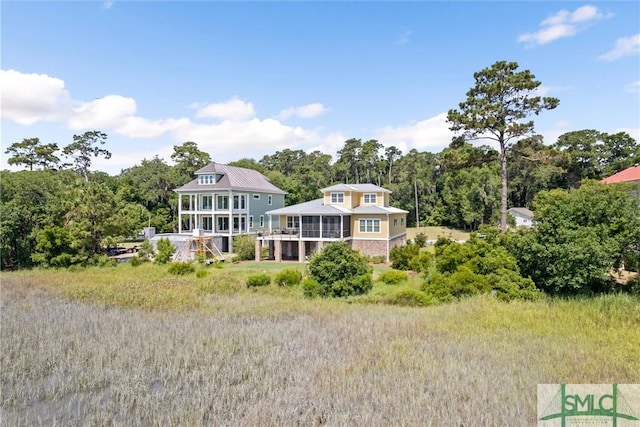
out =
column 355, row 226
column 397, row 224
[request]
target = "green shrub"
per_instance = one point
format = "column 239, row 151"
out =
column 411, row 298
column 103, row 261
column 288, row 277
column 393, row 277
column 340, row 270
column 244, row 247
column 236, row 259
column 181, row 268
column 378, row 259
column 421, row 262
column 165, row 251
column 311, row 288
column 136, row 261
column 401, row 256
column 262, row 279
column 201, row 273
column 421, row 240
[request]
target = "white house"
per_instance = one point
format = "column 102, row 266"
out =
column 523, row 216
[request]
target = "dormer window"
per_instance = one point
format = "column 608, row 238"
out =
column 337, row 197
column 370, row 198
column 208, row 179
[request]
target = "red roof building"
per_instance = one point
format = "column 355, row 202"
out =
column 631, row 174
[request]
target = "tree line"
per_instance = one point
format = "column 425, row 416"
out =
column 61, row 212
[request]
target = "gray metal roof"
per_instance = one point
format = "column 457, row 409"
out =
column 522, row 212
column 365, row 188
column 313, row 207
column 317, row 207
column 373, row 209
column 233, row 178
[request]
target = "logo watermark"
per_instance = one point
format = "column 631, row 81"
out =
column 573, row 405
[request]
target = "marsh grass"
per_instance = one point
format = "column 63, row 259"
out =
column 100, row 347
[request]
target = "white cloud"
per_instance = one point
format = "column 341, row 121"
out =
column 563, row 24
column 634, row 87
column 305, row 111
column 233, row 109
column 107, row 5
column 30, row 98
column 625, row 46
column 404, row 37
column 432, row 134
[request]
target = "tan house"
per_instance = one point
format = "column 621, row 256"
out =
column 358, row 214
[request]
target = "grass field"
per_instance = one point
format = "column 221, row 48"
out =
column 135, row 346
column 435, row 232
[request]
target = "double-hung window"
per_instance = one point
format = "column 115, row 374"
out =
column 337, row 197
column 370, row 198
column 370, row 225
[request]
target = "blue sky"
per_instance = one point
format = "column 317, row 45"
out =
column 245, row 79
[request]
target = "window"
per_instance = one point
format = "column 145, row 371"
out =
column 261, row 221
column 206, row 180
column 395, row 222
column 337, row 197
column 293, row 222
column 250, row 221
column 270, row 199
column 256, row 197
column 223, row 223
column 370, row 198
column 207, row 202
column 369, row 225
column 223, row 203
column 239, row 202
column 207, row 223
column 401, row 221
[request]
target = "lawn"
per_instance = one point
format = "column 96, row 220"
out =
column 434, row 232
column 136, row 346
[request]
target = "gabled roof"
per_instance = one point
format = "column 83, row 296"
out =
column 364, row 188
column 524, row 212
column 627, row 175
column 233, row 178
column 317, row 207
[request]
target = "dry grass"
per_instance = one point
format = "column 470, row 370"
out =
column 435, row 232
column 227, row 355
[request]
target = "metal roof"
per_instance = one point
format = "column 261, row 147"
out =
column 317, row 207
column 629, row 174
column 233, row 178
column 365, row 188
column 313, row 207
column 521, row 211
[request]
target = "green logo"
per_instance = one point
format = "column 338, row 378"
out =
column 584, row 404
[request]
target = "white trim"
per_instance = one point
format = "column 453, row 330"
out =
column 336, row 193
column 255, row 196
column 364, row 198
column 250, row 221
column 373, row 227
column 270, row 200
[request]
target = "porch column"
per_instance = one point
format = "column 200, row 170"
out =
column 301, row 254
column 278, row 249
column 341, row 227
column 230, row 207
column 179, row 214
column 388, row 237
column 321, row 226
column 258, row 249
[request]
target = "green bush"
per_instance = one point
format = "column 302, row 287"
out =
column 393, row 277
column 340, row 270
column 288, row 277
column 311, row 288
column 411, row 298
column 201, row 273
column 181, row 268
column 136, row 261
column 165, row 251
column 244, row 247
column 421, row 240
column 401, row 256
column 103, row 261
column 262, row 279
column 421, row 262
column 378, row 259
